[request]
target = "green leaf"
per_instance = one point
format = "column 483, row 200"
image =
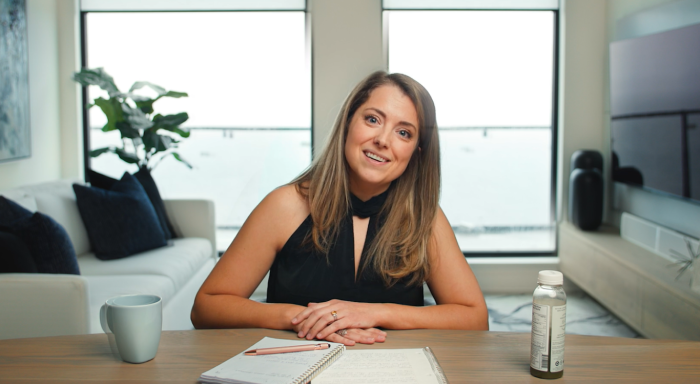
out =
column 169, row 122
column 157, row 88
column 140, row 84
column 112, row 109
column 175, row 94
column 99, row 77
column 152, row 140
column 127, row 131
column 99, row 151
column 180, row 132
column 130, row 158
column 136, row 117
column 180, row 159
column 144, row 104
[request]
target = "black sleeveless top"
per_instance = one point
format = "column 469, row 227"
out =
column 302, row 275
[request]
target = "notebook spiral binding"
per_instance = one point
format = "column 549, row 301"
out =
column 437, row 369
column 317, row 368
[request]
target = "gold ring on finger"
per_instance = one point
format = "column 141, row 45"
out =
column 335, row 315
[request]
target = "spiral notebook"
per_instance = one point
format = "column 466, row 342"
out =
column 283, row 368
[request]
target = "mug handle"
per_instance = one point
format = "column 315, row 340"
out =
column 103, row 319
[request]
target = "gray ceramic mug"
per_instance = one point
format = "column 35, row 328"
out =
column 134, row 324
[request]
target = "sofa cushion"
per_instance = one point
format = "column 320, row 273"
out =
column 47, row 241
column 120, row 222
column 57, row 200
column 64, row 210
column 15, row 256
column 178, row 261
column 11, row 212
column 21, row 198
column 102, row 288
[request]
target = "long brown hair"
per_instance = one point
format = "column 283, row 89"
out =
column 400, row 248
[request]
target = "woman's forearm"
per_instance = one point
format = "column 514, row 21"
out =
column 442, row 316
column 230, row 311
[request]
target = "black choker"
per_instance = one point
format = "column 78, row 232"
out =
column 367, row 208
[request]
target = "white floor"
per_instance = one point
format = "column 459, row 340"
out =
column 584, row 316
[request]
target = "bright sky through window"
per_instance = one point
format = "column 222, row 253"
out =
column 232, row 80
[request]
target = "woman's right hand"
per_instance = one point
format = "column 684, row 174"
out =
column 352, row 336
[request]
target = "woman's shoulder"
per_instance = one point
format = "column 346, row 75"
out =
column 286, row 200
column 277, row 216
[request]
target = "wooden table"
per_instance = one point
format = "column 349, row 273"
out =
column 465, row 356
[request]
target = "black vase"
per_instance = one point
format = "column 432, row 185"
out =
column 586, row 190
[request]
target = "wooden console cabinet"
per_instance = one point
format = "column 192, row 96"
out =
column 637, row 285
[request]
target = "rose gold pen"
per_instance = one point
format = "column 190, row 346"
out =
column 295, row 348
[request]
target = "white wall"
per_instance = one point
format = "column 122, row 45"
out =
column 583, row 62
column 347, row 46
column 68, row 26
column 44, row 163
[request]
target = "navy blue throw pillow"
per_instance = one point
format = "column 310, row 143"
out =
column 15, row 256
column 11, row 212
column 47, row 241
column 121, row 221
column 99, row 180
column 144, row 177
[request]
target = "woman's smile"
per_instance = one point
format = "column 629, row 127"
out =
column 375, row 157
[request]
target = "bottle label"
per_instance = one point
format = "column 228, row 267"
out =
column 548, row 330
column 558, row 332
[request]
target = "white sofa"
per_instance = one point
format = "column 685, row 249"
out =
column 33, row 305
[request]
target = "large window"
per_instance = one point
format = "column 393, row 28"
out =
column 491, row 74
column 248, row 79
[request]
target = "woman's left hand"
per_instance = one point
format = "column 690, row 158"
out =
column 319, row 321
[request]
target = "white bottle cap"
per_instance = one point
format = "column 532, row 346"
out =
column 550, row 278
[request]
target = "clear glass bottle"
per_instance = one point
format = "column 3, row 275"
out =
column 548, row 326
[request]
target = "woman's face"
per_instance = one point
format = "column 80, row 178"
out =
column 382, row 136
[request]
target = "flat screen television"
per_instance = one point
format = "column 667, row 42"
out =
column 655, row 111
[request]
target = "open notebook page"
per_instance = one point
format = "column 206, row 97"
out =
column 383, row 366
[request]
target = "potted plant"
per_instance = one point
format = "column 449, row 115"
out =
column 689, row 261
column 133, row 116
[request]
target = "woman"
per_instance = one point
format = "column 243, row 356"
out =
column 351, row 241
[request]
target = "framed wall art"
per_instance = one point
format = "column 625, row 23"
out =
column 15, row 135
